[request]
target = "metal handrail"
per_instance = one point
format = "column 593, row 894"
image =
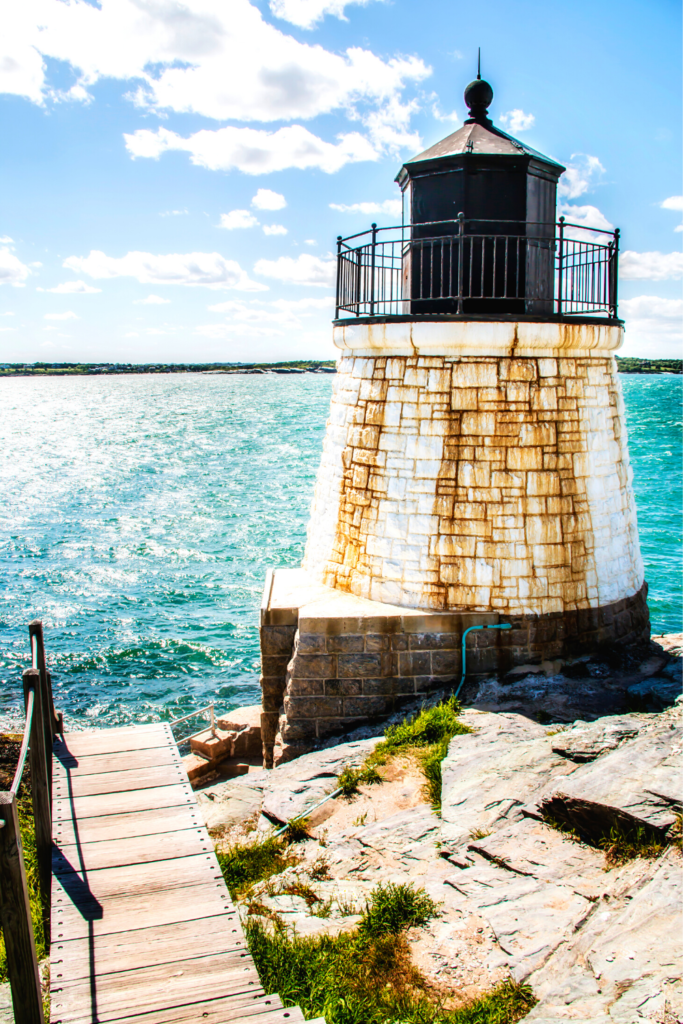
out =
column 193, row 714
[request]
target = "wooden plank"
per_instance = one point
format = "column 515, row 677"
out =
column 152, row 988
column 96, row 764
column 126, row 781
column 117, row 915
column 130, row 880
column 123, row 803
column 153, row 821
column 145, row 947
column 110, row 741
column 256, row 1009
column 136, row 850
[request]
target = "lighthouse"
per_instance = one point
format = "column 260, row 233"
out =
column 475, row 468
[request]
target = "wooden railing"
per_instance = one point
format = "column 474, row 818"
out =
column 41, row 726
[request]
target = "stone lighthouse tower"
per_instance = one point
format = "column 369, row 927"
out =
column 475, row 469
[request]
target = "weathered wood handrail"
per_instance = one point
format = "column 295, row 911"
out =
column 41, row 725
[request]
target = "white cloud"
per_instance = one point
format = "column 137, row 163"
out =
column 237, row 219
column 304, row 270
column 651, row 266
column 73, row 288
column 7, row 329
column 265, row 199
column 673, row 203
column 307, row 13
column 206, row 57
column 391, row 206
column 9, row 314
column 206, row 269
column 274, row 229
column 61, row 316
column 583, row 172
column 152, row 300
column 6, row 240
column 173, row 213
column 254, row 151
column 653, row 326
column 310, row 241
column 12, row 270
column 586, row 217
column 517, row 121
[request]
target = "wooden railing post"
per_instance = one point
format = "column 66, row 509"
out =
column 15, row 915
column 40, row 792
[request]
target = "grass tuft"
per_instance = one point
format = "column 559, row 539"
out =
column 244, row 864
column 351, row 778
column 392, row 908
column 426, row 728
column 625, row 843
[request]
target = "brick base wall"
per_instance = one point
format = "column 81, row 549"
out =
column 331, row 675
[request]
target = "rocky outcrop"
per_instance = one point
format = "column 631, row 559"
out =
column 517, row 896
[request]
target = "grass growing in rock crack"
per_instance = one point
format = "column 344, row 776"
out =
column 244, row 864
column 426, row 734
column 623, row 842
column 351, row 778
column 366, row 977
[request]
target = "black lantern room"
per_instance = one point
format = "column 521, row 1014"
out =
column 481, row 207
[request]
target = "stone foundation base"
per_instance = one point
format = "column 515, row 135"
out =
column 332, row 661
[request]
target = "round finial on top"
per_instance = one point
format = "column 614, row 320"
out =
column 478, row 96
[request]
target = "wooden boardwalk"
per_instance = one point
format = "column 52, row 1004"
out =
column 143, row 928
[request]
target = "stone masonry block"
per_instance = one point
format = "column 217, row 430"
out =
column 344, row 687
column 414, row 663
column 277, row 639
column 312, row 707
column 362, row 665
column 311, row 643
column 345, row 644
column 315, row 666
column 368, row 707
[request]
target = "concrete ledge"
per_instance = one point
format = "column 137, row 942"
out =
column 478, row 338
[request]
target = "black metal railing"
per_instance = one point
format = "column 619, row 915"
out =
column 464, row 266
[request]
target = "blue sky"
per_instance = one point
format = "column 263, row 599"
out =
column 171, row 168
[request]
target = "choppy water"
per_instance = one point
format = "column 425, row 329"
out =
column 139, row 514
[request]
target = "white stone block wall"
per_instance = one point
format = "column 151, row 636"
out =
column 479, row 482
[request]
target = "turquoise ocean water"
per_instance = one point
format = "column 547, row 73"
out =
column 138, row 516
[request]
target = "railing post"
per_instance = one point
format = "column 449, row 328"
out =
column 560, row 268
column 461, row 249
column 372, row 270
column 614, row 274
column 338, row 303
column 40, row 792
column 15, row 916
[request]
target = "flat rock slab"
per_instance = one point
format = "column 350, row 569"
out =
column 529, row 918
column 586, row 741
column 534, row 849
column 284, row 792
column 624, row 965
column 490, row 774
column 640, row 782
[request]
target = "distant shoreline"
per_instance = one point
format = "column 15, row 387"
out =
column 627, row 364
